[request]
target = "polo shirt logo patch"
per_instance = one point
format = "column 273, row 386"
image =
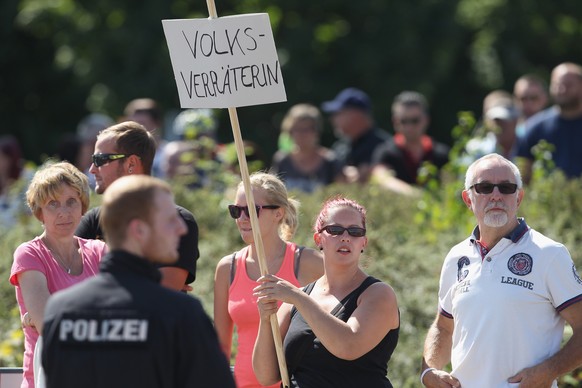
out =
column 520, row 264
column 576, row 276
column 462, row 274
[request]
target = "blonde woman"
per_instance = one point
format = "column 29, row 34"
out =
column 58, row 196
column 236, row 274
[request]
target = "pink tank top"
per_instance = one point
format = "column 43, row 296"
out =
column 242, row 307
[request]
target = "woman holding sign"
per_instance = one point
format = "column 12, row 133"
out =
column 339, row 331
column 236, row 274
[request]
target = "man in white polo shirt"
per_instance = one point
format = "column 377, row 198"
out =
column 505, row 294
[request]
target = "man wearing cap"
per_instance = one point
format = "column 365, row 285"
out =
column 351, row 117
column 560, row 125
column 500, row 117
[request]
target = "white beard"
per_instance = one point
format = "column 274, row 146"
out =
column 495, row 219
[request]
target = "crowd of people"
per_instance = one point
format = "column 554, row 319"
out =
column 108, row 286
column 187, row 149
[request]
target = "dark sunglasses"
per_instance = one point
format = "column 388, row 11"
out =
column 237, row 211
column 411, row 121
column 336, row 230
column 487, row 188
column 102, row 159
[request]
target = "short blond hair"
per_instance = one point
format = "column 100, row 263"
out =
column 129, row 197
column 46, row 185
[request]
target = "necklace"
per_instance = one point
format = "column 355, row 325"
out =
column 61, row 261
column 59, row 258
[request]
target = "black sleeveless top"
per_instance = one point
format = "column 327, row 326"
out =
column 311, row 365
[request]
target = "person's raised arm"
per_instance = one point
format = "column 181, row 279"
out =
column 35, row 293
column 565, row 360
column 437, row 354
column 222, row 320
column 385, row 178
column 376, row 314
column 265, row 362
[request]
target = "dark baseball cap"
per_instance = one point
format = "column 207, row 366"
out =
column 348, row 98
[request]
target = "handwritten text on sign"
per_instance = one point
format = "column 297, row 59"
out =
column 225, row 62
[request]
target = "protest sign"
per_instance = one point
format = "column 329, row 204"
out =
column 225, row 62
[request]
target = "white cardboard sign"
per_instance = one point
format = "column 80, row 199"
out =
column 225, row 62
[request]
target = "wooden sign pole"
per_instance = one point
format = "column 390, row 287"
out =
column 242, row 161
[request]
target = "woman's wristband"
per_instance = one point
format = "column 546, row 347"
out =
column 424, row 372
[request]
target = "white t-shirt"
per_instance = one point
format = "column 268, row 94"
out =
column 506, row 304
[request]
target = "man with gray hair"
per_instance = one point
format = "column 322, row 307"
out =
column 505, row 294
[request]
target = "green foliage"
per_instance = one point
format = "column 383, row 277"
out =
column 408, row 239
column 61, row 59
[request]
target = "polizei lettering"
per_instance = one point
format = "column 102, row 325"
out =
column 517, row 282
column 106, row 330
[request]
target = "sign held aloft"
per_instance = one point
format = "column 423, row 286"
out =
column 225, row 62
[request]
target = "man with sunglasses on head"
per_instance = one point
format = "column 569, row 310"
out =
column 398, row 161
column 124, row 149
column 505, row 295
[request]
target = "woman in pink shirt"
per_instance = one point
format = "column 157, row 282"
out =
column 237, row 274
column 58, row 196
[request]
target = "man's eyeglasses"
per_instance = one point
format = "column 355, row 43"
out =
column 336, row 230
column 487, row 188
column 236, row 211
column 102, row 159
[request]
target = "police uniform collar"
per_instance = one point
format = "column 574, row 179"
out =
column 123, row 261
column 514, row 235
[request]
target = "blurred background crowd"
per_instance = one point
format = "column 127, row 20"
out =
column 373, row 90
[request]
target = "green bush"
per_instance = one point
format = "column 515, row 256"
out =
column 408, row 240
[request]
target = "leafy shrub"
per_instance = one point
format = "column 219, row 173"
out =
column 408, row 240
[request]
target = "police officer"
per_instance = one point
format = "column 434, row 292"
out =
column 122, row 328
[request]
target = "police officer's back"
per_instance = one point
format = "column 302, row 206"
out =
column 122, row 328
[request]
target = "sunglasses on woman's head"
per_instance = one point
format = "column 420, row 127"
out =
column 237, row 211
column 336, row 230
column 487, row 188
